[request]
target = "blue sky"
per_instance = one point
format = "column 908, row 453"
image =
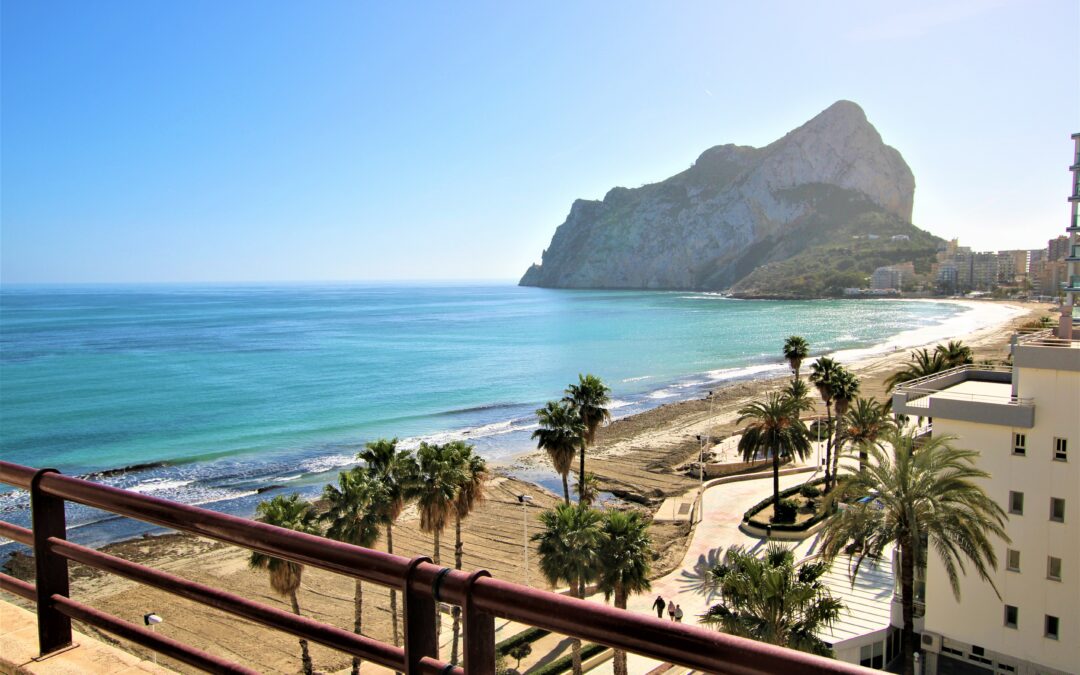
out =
column 257, row 141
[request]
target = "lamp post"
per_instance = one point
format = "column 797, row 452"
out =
column 152, row 620
column 525, row 499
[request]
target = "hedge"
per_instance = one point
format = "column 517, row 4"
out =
column 588, row 650
column 526, row 636
column 786, row 527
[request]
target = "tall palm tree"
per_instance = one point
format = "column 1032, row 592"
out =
column 799, row 392
column 796, row 348
column 590, row 396
column 590, row 491
column 864, row 425
column 772, row 599
column 625, row 549
column 560, row 434
column 396, row 470
column 470, row 493
column 775, row 428
column 823, row 374
column 929, row 493
column 568, row 552
column 435, row 490
column 845, row 388
column 922, row 362
column 292, row 513
column 354, row 514
column 955, row 353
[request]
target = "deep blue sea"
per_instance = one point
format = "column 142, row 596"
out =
column 228, row 390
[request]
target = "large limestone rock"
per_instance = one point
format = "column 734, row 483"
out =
column 711, row 225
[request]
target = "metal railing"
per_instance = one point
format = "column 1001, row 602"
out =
column 1045, row 338
column 423, row 585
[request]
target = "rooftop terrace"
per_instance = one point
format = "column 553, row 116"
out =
column 968, row 393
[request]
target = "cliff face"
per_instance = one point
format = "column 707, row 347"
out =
column 736, row 208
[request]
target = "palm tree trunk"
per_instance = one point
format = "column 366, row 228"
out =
column 578, row 591
column 358, row 620
column 836, row 460
column 458, row 551
column 907, row 595
column 393, row 593
column 305, row 656
column 565, row 489
column 436, row 558
column 620, row 655
column 828, row 444
column 581, row 478
column 775, row 482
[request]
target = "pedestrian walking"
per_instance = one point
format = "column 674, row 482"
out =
column 671, row 609
column 678, row 613
column 659, row 606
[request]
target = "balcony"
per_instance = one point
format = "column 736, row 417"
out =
column 981, row 394
column 1045, row 350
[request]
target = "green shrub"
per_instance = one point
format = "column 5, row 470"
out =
column 810, row 491
column 524, row 637
column 588, row 650
column 785, row 511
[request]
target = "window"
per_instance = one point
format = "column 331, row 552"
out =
column 1016, row 503
column 1019, row 444
column 1051, row 627
column 1053, row 568
column 872, row 656
column 1006, row 667
column 1057, row 510
column 1061, row 450
column 1012, row 616
column 1012, row 560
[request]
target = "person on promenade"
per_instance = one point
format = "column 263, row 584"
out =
column 659, row 606
column 678, row 614
column 671, row 609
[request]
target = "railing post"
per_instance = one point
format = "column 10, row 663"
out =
column 420, row 616
column 51, row 571
column 479, row 632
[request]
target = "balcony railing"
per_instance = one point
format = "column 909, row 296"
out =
column 423, row 585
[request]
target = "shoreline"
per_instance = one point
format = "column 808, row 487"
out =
column 639, row 453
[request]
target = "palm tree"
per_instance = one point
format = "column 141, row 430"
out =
column 864, row 425
column 396, row 470
column 845, row 388
column 292, row 513
column 561, row 432
column 590, row 491
column 923, row 362
column 776, row 429
column 625, row 549
column 568, row 552
column 470, row 493
column 955, row 353
column 590, row 398
column 823, row 374
column 436, row 488
column 772, row 599
column 796, row 348
column 799, row 392
column 928, row 493
column 354, row 515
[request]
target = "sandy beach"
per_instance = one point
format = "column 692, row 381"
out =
column 638, row 458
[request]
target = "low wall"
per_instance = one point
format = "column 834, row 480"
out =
column 732, row 468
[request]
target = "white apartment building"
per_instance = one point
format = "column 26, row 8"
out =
column 1025, row 422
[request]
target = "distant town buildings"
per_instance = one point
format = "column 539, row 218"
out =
column 892, row 277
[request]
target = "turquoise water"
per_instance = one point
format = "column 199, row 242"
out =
column 232, row 390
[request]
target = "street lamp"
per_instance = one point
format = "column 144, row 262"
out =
column 152, row 620
column 525, row 499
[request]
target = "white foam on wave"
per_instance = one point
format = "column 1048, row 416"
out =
column 976, row 317
column 638, row 379
column 159, row 485
column 661, row 393
column 618, row 403
column 725, row 374
column 482, row 431
column 326, row 463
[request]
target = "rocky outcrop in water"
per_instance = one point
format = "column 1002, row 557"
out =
column 736, row 209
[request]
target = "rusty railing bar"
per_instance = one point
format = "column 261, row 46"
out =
column 50, row 572
column 330, row 636
column 420, row 612
column 479, row 632
column 18, row 587
column 139, row 635
column 16, row 533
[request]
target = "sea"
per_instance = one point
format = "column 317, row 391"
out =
column 224, row 395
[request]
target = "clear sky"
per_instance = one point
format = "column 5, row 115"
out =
column 248, row 141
